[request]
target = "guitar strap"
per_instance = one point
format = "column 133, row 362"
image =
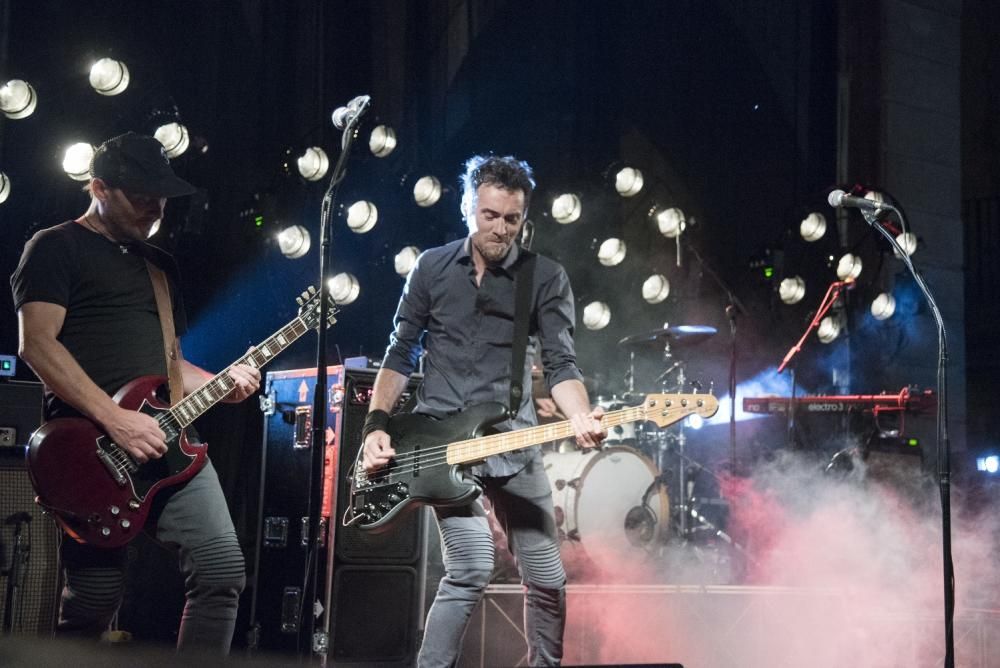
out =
column 523, row 281
column 163, row 306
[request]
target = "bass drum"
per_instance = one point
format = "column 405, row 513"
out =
column 608, row 504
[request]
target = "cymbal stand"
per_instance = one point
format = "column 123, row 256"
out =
column 679, row 439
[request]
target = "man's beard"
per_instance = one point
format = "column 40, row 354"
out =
column 492, row 251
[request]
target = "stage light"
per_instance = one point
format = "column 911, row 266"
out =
column 109, row 76
column 596, row 315
column 849, row 267
column 4, row 187
column 988, row 464
column 382, row 141
column 427, row 191
column 17, row 99
column 405, row 260
column 671, row 222
column 313, row 163
column 76, row 161
column 883, row 306
column 792, row 289
column 362, row 216
column 611, row 252
column 344, row 288
column 655, row 289
column 174, row 138
column 628, row 181
column 566, row 208
column 294, row 241
column 829, row 329
column 908, row 242
column 813, row 227
column 695, row 421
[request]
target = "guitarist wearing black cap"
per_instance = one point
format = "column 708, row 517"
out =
column 89, row 324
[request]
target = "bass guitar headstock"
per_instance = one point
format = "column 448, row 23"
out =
column 666, row 409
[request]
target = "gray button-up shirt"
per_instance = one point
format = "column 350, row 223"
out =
column 467, row 332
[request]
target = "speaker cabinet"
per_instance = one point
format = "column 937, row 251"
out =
column 367, row 577
column 29, row 570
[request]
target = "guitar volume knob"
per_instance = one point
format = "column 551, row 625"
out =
column 114, row 510
column 106, row 532
column 125, row 524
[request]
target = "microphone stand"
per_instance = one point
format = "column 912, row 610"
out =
column 318, row 641
column 943, row 440
column 829, row 299
column 733, row 309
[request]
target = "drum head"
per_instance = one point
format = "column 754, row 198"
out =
column 607, row 503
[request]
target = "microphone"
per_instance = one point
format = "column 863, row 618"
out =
column 839, row 198
column 353, row 110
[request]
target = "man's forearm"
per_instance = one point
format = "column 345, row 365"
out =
column 389, row 386
column 571, row 397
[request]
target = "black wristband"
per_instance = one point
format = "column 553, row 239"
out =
column 376, row 420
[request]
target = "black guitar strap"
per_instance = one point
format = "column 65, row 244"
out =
column 523, row 281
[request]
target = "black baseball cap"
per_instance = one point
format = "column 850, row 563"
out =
column 137, row 164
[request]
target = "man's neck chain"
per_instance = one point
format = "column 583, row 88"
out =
column 91, row 226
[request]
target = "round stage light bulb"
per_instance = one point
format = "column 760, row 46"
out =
column 883, row 306
column 792, row 289
column 849, row 267
column 828, row 330
column 695, row 421
column 596, row 315
column 109, row 76
column 294, row 241
column 671, row 222
column 17, row 99
column 313, row 164
column 405, row 260
column 628, row 181
column 566, row 208
column 655, row 289
column 427, row 191
column 611, row 252
column 174, row 138
column 382, row 141
column 908, row 242
column 813, row 227
column 362, row 216
column 344, row 288
column 4, row 187
column 76, row 161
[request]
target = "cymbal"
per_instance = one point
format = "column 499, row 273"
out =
column 676, row 335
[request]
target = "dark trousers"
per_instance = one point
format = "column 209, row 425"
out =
column 523, row 507
column 195, row 522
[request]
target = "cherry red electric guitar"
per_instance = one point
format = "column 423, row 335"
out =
column 96, row 491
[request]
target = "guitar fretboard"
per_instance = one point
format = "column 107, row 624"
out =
column 193, row 405
column 476, row 449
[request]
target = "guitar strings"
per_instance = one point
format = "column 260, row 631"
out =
column 432, row 457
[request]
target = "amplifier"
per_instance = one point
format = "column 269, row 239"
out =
column 20, row 414
column 360, row 565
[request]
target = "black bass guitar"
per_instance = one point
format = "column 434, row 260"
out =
column 427, row 468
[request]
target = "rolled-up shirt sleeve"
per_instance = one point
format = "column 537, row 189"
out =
column 409, row 323
column 556, row 321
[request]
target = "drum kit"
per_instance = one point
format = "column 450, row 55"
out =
column 641, row 492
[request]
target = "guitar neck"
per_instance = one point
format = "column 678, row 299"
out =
column 216, row 389
column 476, row 449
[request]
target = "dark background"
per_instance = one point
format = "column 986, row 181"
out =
column 729, row 108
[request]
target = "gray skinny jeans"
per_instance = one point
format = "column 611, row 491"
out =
column 523, row 506
column 194, row 521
